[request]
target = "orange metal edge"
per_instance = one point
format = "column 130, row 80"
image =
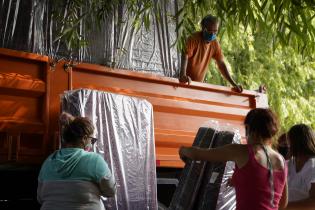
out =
column 159, row 79
column 46, row 118
column 24, row 55
column 128, row 73
column 170, row 164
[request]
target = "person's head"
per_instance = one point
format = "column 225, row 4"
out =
column 261, row 125
column 283, row 146
column 209, row 26
column 76, row 131
column 302, row 140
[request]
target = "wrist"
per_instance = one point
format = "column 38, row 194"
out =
column 234, row 84
column 187, row 152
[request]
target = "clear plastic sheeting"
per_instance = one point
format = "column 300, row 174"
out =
column 124, row 129
column 226, row 199
column 28, row 25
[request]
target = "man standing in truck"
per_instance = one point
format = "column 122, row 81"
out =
column 200, row 48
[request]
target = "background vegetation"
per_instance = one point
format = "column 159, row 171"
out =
column 270, row 42
column 288, row 75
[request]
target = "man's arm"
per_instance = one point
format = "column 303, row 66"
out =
column 224, row 71
column 306, row 204
column 182, row 75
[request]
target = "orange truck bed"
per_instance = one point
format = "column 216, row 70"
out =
column 30, row 92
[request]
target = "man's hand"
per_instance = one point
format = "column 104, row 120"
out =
column 238, row 88
column 262, row 89
column 185, row 79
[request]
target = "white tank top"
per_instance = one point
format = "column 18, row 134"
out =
column 299, row 184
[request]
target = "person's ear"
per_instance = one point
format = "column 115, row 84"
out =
column 85, row 140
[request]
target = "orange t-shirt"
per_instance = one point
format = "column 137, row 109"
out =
column 199, row 55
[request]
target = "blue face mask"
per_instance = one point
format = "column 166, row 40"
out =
column 208, row 37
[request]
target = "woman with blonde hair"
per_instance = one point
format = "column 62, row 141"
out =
column 72, row 177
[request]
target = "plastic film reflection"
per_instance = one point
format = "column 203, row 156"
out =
column 124, row 129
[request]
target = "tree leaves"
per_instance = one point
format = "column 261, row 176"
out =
column 288, row 76
column 290, row 21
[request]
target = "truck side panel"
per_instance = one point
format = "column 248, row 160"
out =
column 179, row 109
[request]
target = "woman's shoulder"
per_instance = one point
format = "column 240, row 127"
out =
column 91, row 158
column 280, row 163
column 262, row 155
column 93, row 155
column 310, row 166
column 277, row 160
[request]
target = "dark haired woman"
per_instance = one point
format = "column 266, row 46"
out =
column 260, row 173
column 72, row 178
column 301, row 180
column 283, row 146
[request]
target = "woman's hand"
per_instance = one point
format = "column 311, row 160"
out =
column 183, row 153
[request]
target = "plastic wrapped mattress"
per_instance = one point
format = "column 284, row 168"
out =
column 187, row 190
column 205, row 185
column 215, row 191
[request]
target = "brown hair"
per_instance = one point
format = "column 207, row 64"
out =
column 302, row 140
column 262, row 122
column 283, row 140
column 73, row 129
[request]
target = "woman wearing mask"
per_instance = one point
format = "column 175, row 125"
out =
column 260, row 174
column 72, row 178
column 301, row 168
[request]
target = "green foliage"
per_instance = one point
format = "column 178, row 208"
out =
column 76, row 17
column 266, row 42
column 288, row 76
column 287, row 22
